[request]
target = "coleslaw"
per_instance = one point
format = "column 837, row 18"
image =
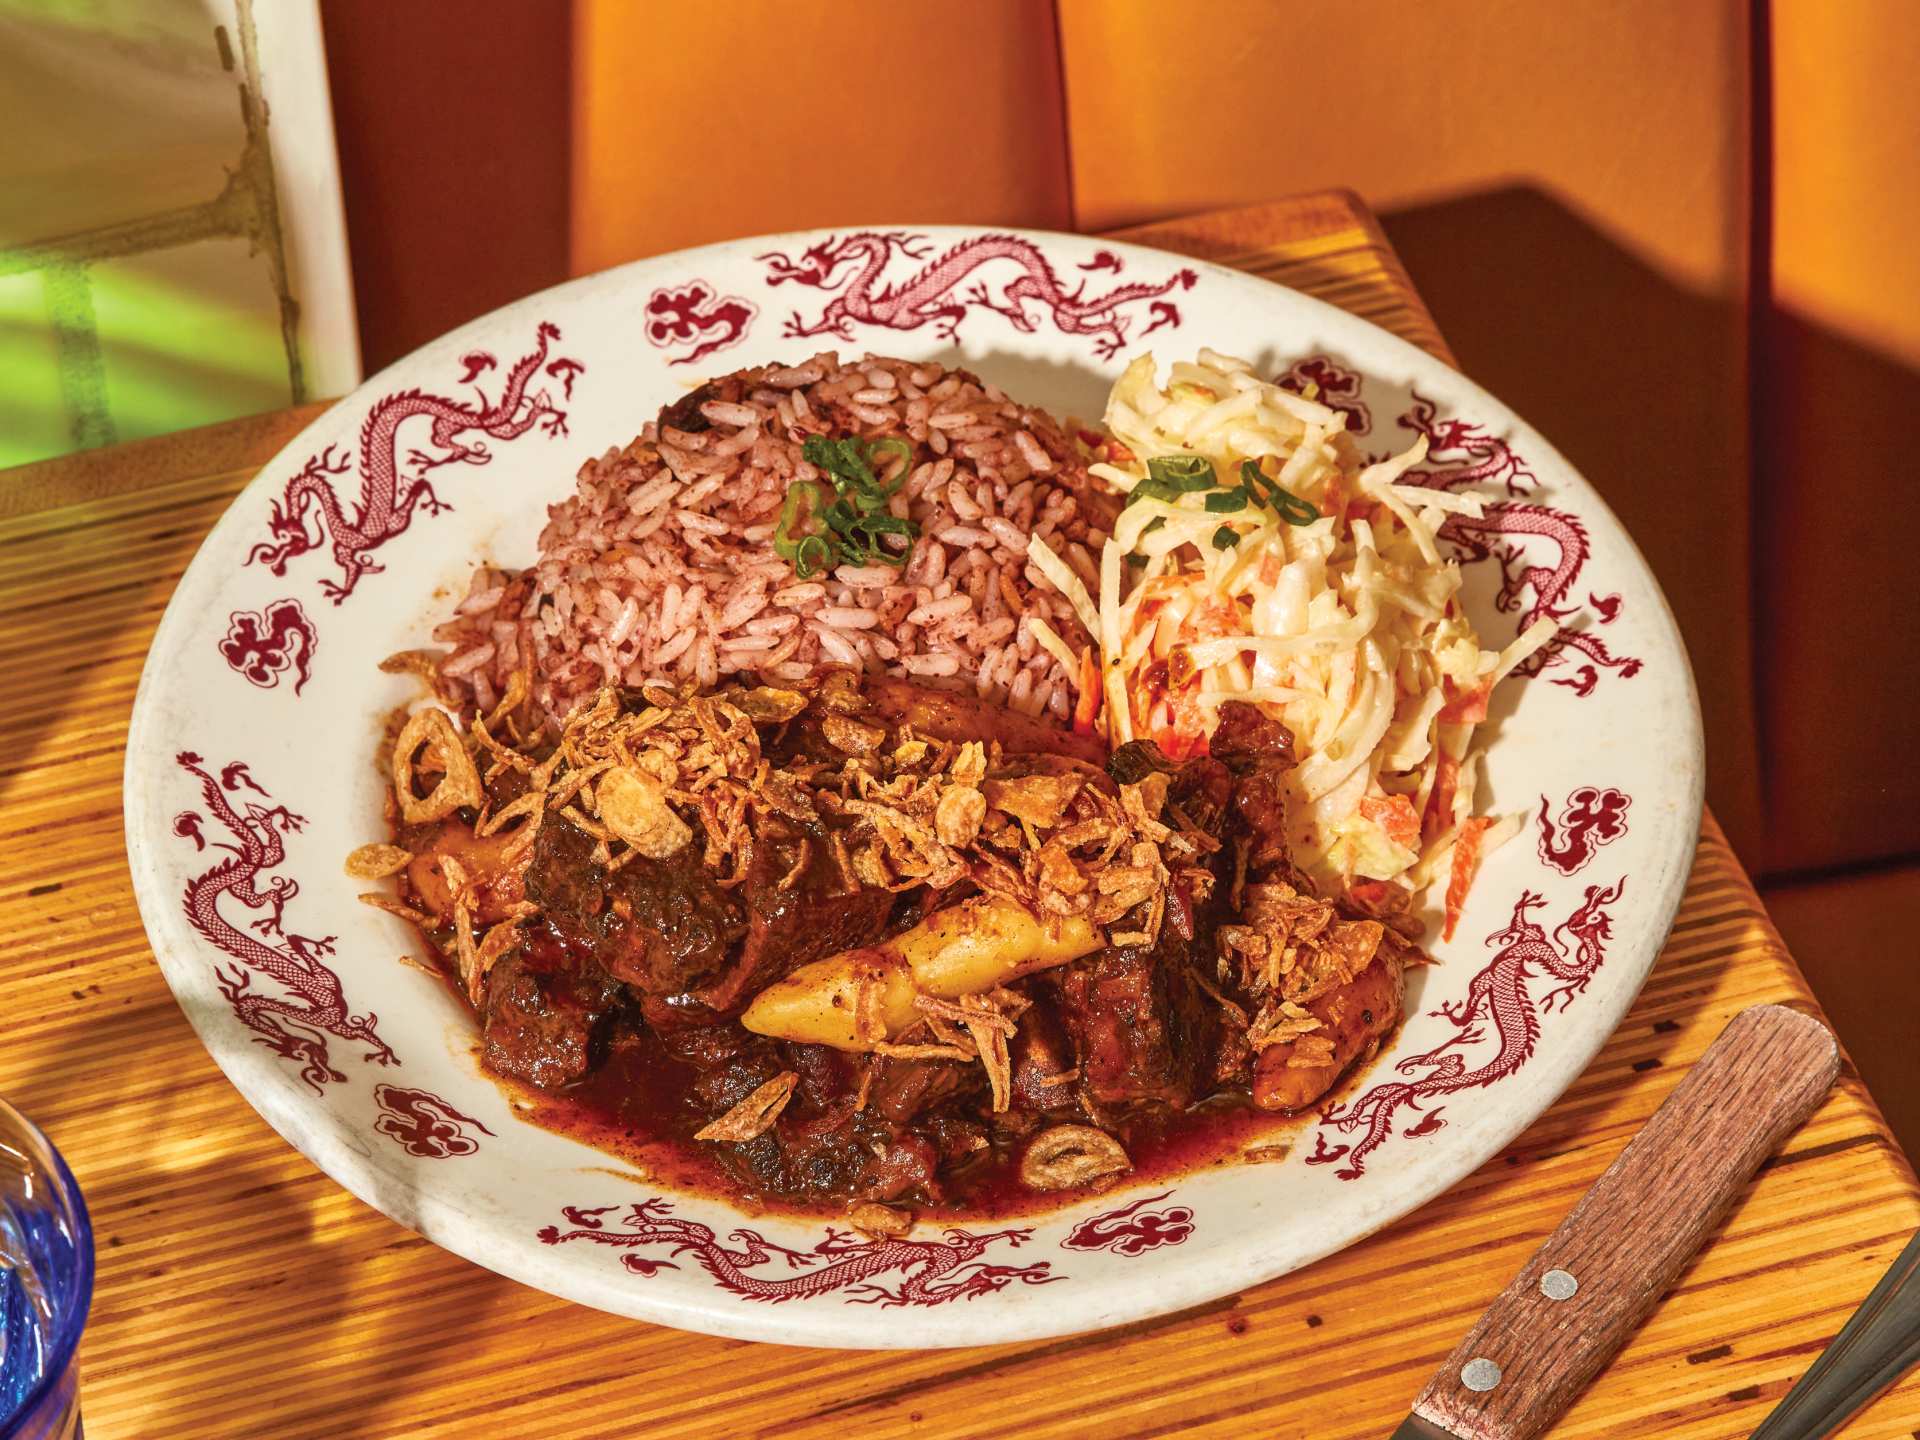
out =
column 1260, row 556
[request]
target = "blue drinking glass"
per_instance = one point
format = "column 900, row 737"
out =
column 46, row 1284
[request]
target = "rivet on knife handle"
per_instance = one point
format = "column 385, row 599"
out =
column 1588, row 1288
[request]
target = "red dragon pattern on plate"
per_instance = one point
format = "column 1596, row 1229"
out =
column 697, row 314
column 295, row 1026
column 423, row 1124
column 1499, row 996
column 936, row 1271
column 1328, row 381
column 1592, row 817
column 1460, row 453
column 1133, row 1229
column 262, row 645
column 932, row 294
column 391, row 488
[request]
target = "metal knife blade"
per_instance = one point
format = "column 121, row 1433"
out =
column 1879, row 1344
column 1586, row 1290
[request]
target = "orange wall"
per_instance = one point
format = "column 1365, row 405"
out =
column 1836, row 474
column 703, row 122
column 1631, row 112
column 1846, row 148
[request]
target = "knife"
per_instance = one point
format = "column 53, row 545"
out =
column 1586, row 1290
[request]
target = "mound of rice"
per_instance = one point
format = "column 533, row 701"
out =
column 661, row 565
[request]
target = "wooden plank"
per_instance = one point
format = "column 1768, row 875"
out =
column 248, row 443
column 242, row 1293
column 1333, row 249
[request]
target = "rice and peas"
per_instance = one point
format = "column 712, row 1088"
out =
column 663, row 563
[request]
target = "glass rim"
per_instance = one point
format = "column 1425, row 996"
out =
column 73, row 1318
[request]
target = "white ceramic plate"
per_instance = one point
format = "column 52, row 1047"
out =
column 248, row 780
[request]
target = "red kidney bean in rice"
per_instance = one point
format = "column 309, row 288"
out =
column 662, row 566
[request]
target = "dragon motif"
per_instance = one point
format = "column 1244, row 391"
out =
column 424, row 1124
column 679, row 314
column 1593, row 817
column 936, row 1271
column 389, row 494
column 263, row 644
column 295, row 1029
column 1326, row 380
column 1499, row 534
column 1133, row 1230
column 1499, row 995
column 928, row 296
column 1461, row 454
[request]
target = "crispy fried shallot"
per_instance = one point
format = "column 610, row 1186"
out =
column 376, row 862
column 633, row 805
column 753, row 1116
column 880, row 1221
column 429, row 733
column 1070, row 1156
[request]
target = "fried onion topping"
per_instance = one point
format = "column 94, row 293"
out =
column 755, row 1115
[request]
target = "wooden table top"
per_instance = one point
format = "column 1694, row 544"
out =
column 243, row 1294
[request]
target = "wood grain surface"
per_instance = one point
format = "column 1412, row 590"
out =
column 1631, row 1235
column 243, row 1294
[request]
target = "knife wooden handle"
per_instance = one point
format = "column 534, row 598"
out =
column 1588, row 1288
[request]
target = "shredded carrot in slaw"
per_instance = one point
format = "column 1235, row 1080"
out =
column 1394, row 815
column 1466, row 864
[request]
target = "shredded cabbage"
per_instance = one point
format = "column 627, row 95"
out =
column 1348, row 628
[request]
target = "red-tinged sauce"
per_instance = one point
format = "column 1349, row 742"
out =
column 1165, row 1146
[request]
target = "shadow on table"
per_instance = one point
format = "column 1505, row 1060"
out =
column 265, row 1264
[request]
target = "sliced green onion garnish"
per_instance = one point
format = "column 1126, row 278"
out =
column 868, row 529
column 841, row 460
column 1291, row 507
column 1181, row 473
column 1225, row 538
column 891, row 445
column 1226, row 502
column 851, row 524
column 811, row 556
column 798, row 511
